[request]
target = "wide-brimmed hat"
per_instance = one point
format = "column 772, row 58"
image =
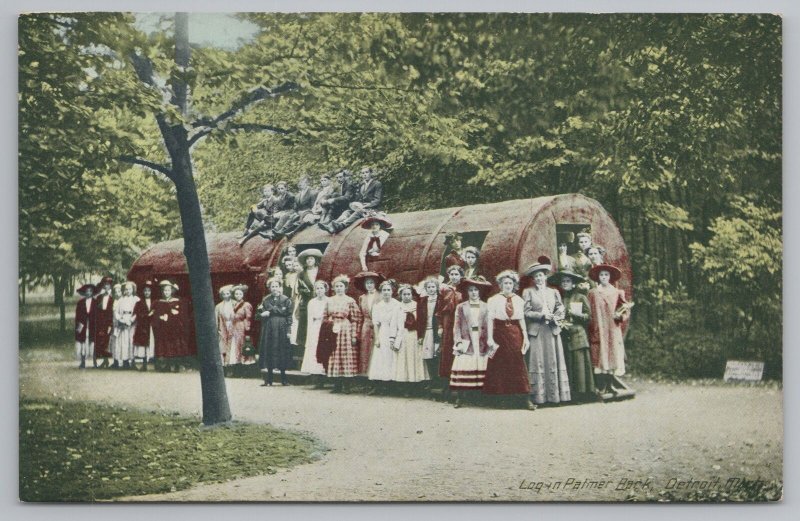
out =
column 385, row 223
column 594, row 273
column 360, row 278
column 167, row 282
column 542, row 264
column 86, row 287
column 311, row 252
column 242, row 287
column 226, row 287
column 483, row 285
column 556, row 278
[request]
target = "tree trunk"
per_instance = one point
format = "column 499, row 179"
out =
column 212, row 380
column 59, row 282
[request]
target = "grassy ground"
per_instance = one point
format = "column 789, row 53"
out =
column 80, row 452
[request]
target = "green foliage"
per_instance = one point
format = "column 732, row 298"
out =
column 85, row 452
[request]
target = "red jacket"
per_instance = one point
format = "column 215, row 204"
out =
column 84, row 320
column 141, row 337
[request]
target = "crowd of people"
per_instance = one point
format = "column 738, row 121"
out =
column 332, row 207
column 559, row 340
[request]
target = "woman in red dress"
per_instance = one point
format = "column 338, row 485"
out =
column 506, row 373
column 169, row 325
column 337, row 350
column 143, row 337
column 366, row 282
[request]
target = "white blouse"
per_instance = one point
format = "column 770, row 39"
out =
column 497, row 307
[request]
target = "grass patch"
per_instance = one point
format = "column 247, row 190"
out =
column 73, row 451
column 43, row 340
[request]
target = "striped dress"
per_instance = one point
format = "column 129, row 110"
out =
column 470, row 346
column 345, row 318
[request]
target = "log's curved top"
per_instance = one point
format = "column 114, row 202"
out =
column 512, row 234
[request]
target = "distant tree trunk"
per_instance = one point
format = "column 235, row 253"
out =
column 59, row 286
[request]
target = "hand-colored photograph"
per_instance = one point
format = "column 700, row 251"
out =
column 400, row 257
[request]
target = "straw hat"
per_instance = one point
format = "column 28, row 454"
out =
column 311, row 252
column 542, row 264
column 167, row 282
column 594, row 273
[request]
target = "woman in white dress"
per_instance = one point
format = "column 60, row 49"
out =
column 114, row 345
column 126, row 323
column 224, row 314
column 315, row 314
column 410, row 366
column 387, row 321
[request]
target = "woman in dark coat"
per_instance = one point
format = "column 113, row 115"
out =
column 573, row 334
column 274, row 349
column 168, row 319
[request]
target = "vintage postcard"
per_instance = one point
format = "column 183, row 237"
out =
column 424, row 257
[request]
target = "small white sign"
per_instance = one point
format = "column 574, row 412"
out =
column 743, row 371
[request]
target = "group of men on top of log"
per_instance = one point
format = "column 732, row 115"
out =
column 332, row 207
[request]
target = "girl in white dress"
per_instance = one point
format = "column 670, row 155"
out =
column 316, row 310
column 387, row 320
column 410, row 366
column 126, row 323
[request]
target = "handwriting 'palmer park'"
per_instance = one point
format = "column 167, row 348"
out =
column 416, row 245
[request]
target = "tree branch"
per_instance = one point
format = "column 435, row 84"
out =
column 254, row 96
column 358, row 87
column 256, row 127
column 149, row 164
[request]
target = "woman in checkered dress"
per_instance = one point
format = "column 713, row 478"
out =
column 344, row 317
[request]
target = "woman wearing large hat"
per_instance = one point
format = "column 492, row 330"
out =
column 470, row 338
column 608, row 308
column 169, row 325
column 573, row 334
column 84, row 324
column 544, row 312
column 379, row 227
column 367, row 282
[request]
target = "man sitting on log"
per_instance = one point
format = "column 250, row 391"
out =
column 292, row 220
column 339, row 202
column 367, row 201
column 260, row 217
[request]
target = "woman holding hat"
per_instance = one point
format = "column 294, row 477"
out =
column 340, row 338
column 126, row 323
column 309, row 260
column 242, row 322
column 224, row 315
column 84, row 324
column 608, row 308
column 315, row 313
column 471, row 256
column 379, row 228
column 544, row 313
column 409, row 366
column 366, row 282
column 169, row 325
column 144, row 341
column 274, row 349
column 573, row 334
column 505, row 370
column 471, row 338
column 387, row 319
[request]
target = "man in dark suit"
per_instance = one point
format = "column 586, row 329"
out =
column 368, row 200
column 291, row 222
column 339, row 202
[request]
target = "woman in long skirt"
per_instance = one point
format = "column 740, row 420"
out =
column 144, row 340
column 315, row 313
column 544, row 313
column 505, row 372
column 471, row 339
column 339, row 335
column 242, row 322
column 114, row 345
column 409, row 365
column 274, row 349
column 224, row 315
column 309, row 259
column 169, row 327
column 609, row 307
column 451, row 297
column 388, row 320
column 429, row 324
column 366, row 282
column 126, row 323
column 84, row 325
column 573, row 335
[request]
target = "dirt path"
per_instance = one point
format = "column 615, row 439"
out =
column 410, row 449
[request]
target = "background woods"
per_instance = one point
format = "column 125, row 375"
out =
column 672, row 122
